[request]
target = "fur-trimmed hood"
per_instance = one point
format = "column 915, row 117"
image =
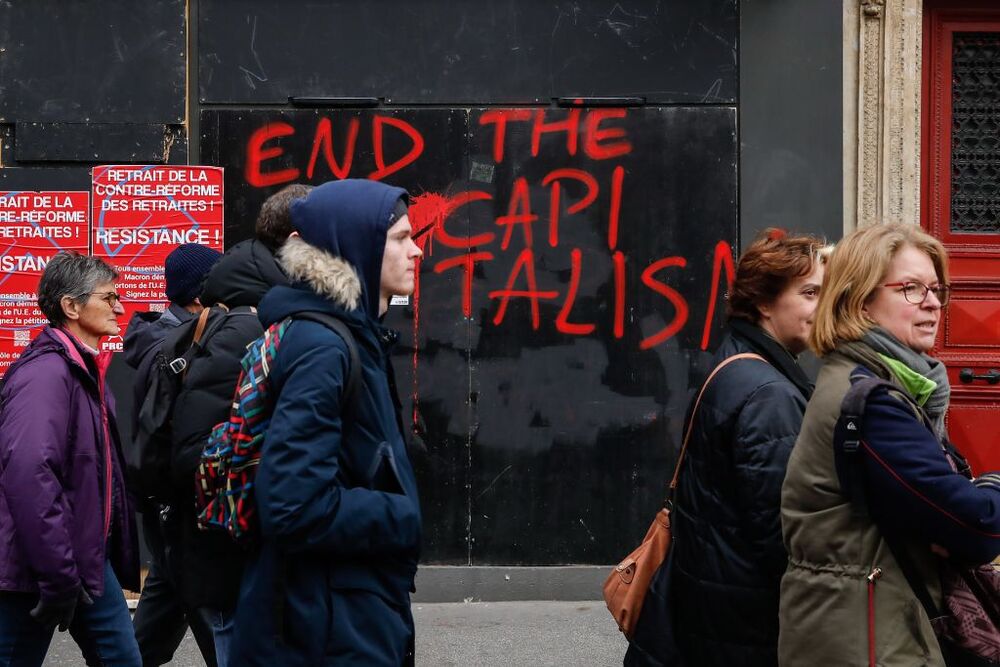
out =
column 331, row 277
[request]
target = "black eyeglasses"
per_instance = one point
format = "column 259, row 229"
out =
column 110, row 298
column 916, row 293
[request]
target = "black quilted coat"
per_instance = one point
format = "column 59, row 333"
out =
column 729, row 555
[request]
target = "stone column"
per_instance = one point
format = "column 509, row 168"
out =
column 882, row 78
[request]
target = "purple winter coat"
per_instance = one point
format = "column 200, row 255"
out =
column 56, row 506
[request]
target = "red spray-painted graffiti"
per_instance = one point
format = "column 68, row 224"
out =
column 597, row 137
column 598, row 133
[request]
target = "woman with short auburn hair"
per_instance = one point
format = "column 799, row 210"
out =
column 727, row 552
column 845, row 599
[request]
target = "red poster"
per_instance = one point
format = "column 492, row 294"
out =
column 140, row 214
column 34, row 226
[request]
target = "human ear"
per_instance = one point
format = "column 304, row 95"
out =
column 70, row 307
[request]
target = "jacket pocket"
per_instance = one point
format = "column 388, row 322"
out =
column 382, row 473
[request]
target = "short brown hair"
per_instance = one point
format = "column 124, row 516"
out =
column 70, row 274
column 772, row 261
column 274, row 222
column 858, row 265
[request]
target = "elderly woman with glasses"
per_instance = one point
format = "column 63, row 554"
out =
column 865, row 545
column 67, row 534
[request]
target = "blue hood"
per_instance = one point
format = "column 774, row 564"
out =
column 349, row 219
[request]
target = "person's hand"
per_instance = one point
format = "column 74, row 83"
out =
column 60, row 611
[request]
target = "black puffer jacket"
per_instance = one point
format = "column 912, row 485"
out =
column 729, row 556
column 243, row 276
column 208, row 564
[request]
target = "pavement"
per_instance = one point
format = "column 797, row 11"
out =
column 487, row 634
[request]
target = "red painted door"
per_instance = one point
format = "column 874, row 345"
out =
column 961, row 207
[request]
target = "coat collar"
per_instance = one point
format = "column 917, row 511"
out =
column 78, row 352
column 779, row 356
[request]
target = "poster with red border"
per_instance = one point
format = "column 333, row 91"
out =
column 140, row 214
column 34, row 226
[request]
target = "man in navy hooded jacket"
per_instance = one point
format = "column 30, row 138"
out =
column 336, row 494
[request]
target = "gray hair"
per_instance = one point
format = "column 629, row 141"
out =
column 70, row 274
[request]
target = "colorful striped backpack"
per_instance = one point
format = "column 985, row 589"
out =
column 228, row 467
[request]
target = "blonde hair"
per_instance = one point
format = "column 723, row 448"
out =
column 857, row 267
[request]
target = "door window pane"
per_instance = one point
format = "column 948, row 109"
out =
column 975, row 133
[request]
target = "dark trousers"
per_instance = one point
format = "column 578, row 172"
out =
column 101, row 630
column 161, row 617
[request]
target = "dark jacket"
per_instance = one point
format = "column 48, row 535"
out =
column 918, row 491
column 339, row 512
column 242, row 276
column 729, row 556
column 208, row 565
column 63, row 505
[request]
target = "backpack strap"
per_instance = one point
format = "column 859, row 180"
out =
column 337, row 325
column 846, row 452
column 847, row 439
column 694, row 411
column 204, row 329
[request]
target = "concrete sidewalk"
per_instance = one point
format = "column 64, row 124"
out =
column 490, row 634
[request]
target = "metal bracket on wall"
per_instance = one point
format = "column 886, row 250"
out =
column 599, row 101
column 338, row 102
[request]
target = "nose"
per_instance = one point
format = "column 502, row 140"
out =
column 415, row 250
column 931, row 301
column 118, row 308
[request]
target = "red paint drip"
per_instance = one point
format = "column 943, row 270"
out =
column 416, row 340
column 427, row 214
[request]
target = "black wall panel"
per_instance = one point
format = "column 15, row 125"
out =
column 549, row 427
column 548, row 434
column 791, row 117
column 93, row 61
column 468, row 51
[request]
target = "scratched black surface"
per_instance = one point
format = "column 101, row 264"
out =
column 468, row 51
column 93, row 61
column 543, row 448
column 573, row 435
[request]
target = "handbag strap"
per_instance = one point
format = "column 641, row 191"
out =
column 687, row 435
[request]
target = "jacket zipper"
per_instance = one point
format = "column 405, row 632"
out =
column 872, row 577
column 107, row 462
column 75, row 357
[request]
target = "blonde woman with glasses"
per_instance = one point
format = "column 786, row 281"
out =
column 845, row 599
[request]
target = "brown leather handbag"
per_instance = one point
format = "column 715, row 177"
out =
column 626, row 586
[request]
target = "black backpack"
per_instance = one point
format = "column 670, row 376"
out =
column 227, row 471
column 148, row 458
